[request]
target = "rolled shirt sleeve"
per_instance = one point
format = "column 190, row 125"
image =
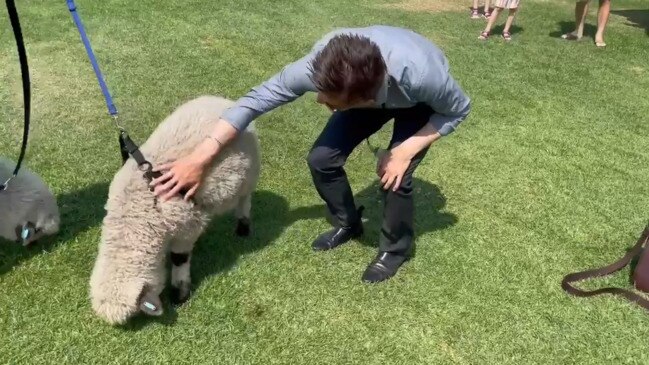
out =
column 441, row 92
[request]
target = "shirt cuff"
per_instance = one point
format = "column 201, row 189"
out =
column 444, row 124
column 238, row 117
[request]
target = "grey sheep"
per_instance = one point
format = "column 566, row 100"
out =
column 138, row 231
column 28, row 209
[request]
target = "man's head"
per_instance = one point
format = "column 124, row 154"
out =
column 348, row 72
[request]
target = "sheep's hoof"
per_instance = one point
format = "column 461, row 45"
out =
column 243, row 227
column 179, row 295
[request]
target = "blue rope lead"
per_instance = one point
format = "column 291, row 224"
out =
column 127, row 146
column 112, row 110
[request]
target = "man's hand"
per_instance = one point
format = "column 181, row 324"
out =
column 187, row 172
column 394, row 163
column 182, row 173
column 391, row 168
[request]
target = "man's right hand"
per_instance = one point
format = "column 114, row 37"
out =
column 184, row 173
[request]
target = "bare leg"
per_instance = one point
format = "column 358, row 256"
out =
column 474, row 10
column 486, row 6
column 508, row 24
column 581, row 9
column 490, row 23
column 602, row 19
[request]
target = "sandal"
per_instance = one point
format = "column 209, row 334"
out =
column 486, row 15
column 474, row 13
column 600, row 44
column 483, row 36
column 507, row 36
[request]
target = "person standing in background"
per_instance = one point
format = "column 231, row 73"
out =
column 581, row 10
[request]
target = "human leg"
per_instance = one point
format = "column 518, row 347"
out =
column 396, row 237
column 344, row 131
column 602, row 20
column 581, row 9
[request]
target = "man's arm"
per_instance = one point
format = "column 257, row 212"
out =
column 285, row 86
column 439, row 90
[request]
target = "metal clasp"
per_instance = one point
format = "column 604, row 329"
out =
column 4, row 186
column 116, row 121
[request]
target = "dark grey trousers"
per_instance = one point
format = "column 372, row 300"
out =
column 346, row 130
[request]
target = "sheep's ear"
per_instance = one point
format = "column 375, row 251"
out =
column 150, row 303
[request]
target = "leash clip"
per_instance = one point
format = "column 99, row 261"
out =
column 4, row 186
column 116, row 121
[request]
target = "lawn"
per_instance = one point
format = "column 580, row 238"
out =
column 547, row 176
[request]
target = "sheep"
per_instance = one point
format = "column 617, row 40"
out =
column 28, row 209
column 138, row 230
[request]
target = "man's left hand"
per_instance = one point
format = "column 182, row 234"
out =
column 394, row 163
column 391, row 168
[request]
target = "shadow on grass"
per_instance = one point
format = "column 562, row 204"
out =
column 514, row 29
column 79, row 210
column 219, row 249
column 567, row 27
column 636, row 18
column 429, row 217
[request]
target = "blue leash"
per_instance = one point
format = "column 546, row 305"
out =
column 112, row 110
column 127, row 146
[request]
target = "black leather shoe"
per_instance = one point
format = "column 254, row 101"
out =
column 337, row 236
column 384, row 266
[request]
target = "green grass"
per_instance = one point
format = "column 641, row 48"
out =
column 547, row 176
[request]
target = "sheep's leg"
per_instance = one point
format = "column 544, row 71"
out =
column 242, row 213
column 181, row 254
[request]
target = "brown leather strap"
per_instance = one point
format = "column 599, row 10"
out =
column 607, row 270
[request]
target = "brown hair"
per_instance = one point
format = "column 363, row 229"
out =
column 350, row 66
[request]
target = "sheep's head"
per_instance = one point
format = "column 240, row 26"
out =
column 150, row 303
column 43, row 220
column 122, row 303
column 29, row 232
column 127, row 277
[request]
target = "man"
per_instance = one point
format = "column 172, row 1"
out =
column 366, row 77
column 581, row 9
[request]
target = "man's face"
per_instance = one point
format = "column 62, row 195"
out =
column 336, row 103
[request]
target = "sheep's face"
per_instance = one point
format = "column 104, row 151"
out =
column 150, row 303
column 119, row 303
column 29, row 232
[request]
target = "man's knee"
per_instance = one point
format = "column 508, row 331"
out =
column 322, row 159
